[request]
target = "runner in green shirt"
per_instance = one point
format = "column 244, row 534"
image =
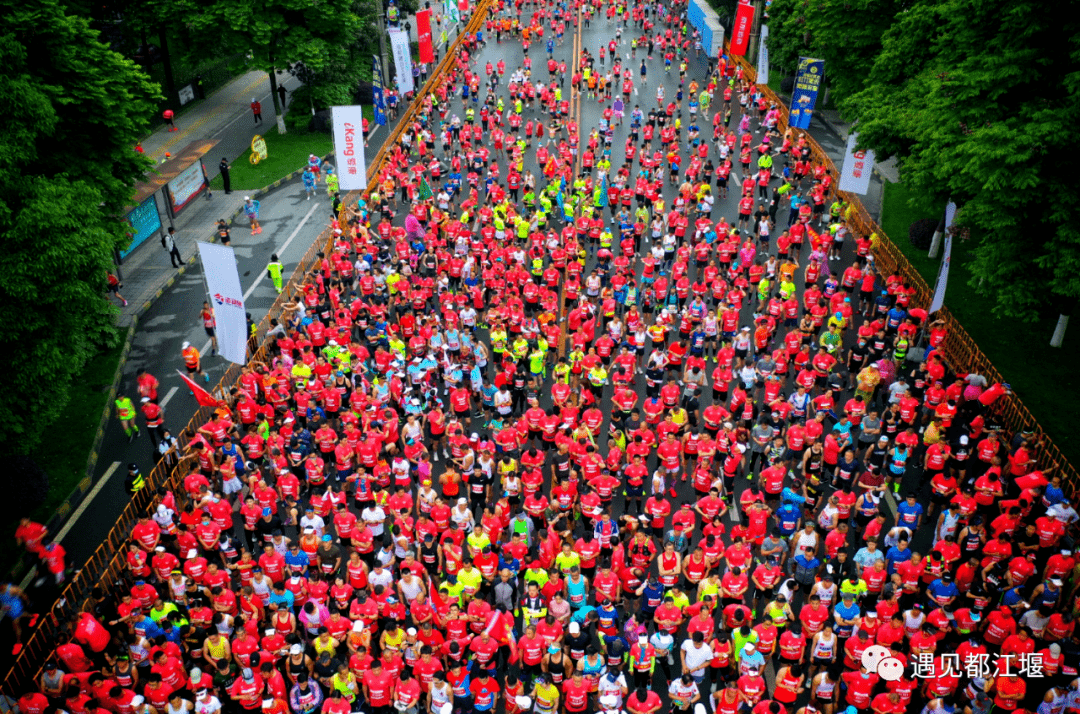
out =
column 275, row 269
column 125, row 412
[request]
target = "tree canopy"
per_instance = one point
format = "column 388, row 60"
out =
column 278, row 33
column 847, row 35
column 971, row 97
column 71, row 112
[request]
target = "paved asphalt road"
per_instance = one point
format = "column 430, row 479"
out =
column 290, row 225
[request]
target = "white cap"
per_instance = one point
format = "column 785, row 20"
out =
column 750, row 647
column 296, row 649
column 1055, row 649
column 523, row 703
column 195, row 674
column 185, row 345
column 309, row 529
column 192, row 553
column 144, row 400
column 609, row 701
column 575, row 628
column 462, row 501
column 358, row 626
column 159, row 549
column 411, row 632
column 137, row 700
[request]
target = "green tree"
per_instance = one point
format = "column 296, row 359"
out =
column 973, row 97
column 844, row 33
column 788, row 34
column 71, row 112
column 336, row 81
column 277, row 33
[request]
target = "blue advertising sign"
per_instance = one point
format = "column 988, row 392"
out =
column 804, row 97
column 144, row 221
column 377, row 90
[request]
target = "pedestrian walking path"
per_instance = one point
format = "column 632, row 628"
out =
column 228, row 106
column 224, row 116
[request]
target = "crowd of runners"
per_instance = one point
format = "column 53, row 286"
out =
column 585, row 415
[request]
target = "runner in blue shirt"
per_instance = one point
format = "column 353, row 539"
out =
column 943, row 591
column 899, row 553
column 787, row 516
column 910, row 513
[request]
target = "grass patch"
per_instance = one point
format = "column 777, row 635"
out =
column 1015, row 349
column 68, row 442
column 285, row 153
column 775, row 75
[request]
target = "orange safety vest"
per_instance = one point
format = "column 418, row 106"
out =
column 191, row 357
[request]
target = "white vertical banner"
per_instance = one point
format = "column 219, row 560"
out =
column 858, row 165
column 943, row 270
column 227, row 300
column 399, row 44
column 763, row 56
column 349, row 147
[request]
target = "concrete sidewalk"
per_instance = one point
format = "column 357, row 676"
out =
column 225, row 116
column 212, row 116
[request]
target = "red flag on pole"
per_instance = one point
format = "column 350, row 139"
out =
column 744, row 23
column 203, row 397
column 423, row 32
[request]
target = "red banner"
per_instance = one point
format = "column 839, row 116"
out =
column 423, row 32
column 463, row 5
column 203, row 397
column 744, row 24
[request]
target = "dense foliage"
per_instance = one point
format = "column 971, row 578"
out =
column 971, row 97
column 71, row 112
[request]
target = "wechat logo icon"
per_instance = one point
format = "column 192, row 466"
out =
column 879, row 660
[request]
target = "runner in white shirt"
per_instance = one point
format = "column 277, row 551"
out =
column 684, row 693
column 374, row 516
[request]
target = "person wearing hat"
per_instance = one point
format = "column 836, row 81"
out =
column 247, row 690
column 751, row 659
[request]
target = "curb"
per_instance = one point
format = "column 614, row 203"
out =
column 83, row 487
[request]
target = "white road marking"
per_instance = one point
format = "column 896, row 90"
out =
column 243, row 113
column 262, row 274
column 87, row 501
column 280, row 251
column 172, row 393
